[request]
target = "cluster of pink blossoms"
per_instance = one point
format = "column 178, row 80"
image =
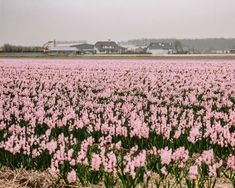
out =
column 112, row 117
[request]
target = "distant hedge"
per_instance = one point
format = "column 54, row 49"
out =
column 14, row 48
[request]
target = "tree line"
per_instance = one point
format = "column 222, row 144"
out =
column 14, row 48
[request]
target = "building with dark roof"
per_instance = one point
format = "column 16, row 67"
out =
column 108, row 47
column 160, row 48
column 85, row 48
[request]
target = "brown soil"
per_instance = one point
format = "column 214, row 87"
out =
column 22, row 178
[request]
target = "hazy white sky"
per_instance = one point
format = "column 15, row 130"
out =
column 33, row 22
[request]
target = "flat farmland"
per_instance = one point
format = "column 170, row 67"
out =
column 120, row 122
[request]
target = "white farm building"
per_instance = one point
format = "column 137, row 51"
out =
column 160, row 48
column 63, row 50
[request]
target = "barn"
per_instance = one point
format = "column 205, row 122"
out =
column 63, row 50
column 160, row 48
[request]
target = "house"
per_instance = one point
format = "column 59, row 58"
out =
column 63, row 50
column 85, row 48
column 160, row 48
column 108, row 47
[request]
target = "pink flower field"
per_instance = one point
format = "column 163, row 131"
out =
column 128, row 123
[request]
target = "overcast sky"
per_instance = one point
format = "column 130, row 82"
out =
column 33, row 22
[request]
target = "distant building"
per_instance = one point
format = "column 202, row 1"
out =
column 48, row 45
column 53, row 44
column 129, row 49
column 232, row 51
column 140, row 50
column 160, row 48
column 63, row 50
column 108, row 47
column 217, row 52
column 85, row 48
column 132, row 49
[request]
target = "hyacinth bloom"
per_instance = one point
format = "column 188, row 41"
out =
column 166, row 155
column 164, row 170
column 231, row 162
column 112, row 117
column 95, row 162
column 72, row 177
column 193, row 172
